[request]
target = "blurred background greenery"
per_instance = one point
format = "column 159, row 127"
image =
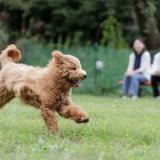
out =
column 91, row 30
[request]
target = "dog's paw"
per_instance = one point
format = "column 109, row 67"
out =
column 82, row 120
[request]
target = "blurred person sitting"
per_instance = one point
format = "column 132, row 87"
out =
column 138, row 69
column 155, row 77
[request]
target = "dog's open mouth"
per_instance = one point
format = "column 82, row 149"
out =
column 76, row 83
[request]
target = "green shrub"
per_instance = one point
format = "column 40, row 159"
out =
column 3, row 36
column 112, row 33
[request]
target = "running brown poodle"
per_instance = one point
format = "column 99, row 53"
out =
column 48, row 89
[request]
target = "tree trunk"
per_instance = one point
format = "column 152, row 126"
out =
column 144, row 10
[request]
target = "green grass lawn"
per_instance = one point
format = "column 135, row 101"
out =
column 118, row 130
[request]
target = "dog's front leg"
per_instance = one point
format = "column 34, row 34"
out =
column 73, row 112
column 48, row 116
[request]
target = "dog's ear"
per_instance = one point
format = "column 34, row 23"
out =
column 58, row 56
column 13, row 53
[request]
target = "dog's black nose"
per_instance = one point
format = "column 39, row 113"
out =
column 85, row 76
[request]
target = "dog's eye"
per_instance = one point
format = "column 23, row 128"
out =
column 73, row 68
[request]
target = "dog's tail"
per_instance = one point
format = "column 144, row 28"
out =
column 10, row 54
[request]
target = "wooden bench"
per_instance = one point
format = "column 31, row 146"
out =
column 147, row 83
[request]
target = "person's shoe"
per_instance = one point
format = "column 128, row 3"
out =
column 134, row 97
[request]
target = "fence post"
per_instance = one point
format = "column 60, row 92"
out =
column 95, row 47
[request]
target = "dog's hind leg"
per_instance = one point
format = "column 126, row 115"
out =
column 28, row 96
column 5, row 95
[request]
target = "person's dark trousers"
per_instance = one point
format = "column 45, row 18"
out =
column 155, row 80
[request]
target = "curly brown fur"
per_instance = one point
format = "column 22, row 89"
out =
column 48, row 89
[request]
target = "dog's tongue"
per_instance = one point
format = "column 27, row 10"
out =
column 77, row 83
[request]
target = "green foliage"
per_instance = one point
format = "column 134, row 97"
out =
column 4, row 37
column 50, row 19
column 118, row 130
column 148, row 9
column 59, row 18
column 112, row 33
